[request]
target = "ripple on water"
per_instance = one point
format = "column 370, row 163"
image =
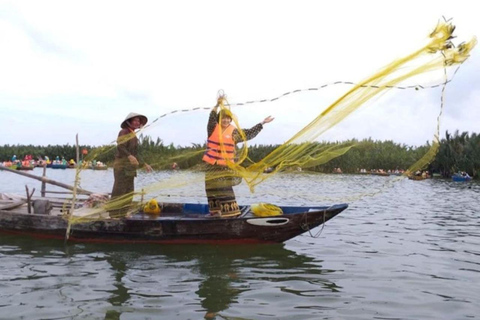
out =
column 409, row 252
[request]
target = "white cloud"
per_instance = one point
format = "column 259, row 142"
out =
column 83, row 68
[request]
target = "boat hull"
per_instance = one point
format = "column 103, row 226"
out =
column 25, row 168
column 57, row 166
column 179, row 223
column 416, row 178
column 461, row 178
column 99, row 168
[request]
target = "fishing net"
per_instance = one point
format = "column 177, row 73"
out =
column 302, row 150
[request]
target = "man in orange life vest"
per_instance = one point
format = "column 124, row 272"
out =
column 222, row 137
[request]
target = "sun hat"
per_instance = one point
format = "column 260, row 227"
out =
column 131, row 115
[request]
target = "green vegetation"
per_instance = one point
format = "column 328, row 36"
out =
column 457, row 152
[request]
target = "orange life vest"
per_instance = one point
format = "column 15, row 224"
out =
column 218, row 151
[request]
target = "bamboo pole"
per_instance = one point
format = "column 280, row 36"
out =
column 46, row 180
column 59, row 192
column 75, row 188
column 77, row 151
column 44, row 185
column 29, row 198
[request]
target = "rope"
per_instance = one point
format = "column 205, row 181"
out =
column 305, row 226
column 286, row 94
column 415, row 87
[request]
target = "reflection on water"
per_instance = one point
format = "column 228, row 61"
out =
column 410, row 252
column 138, row 281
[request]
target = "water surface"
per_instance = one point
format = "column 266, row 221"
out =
column 402, row 250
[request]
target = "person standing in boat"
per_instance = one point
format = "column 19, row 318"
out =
column 222, row 138
column 127, row 162
column 15, row 160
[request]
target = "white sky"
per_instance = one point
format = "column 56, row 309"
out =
column 80, row 67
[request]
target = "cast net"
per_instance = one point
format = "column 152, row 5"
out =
column 302, row 150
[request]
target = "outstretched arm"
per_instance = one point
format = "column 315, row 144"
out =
column 212, row 119
column 253, row 131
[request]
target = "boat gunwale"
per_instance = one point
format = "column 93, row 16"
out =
column 186, row 229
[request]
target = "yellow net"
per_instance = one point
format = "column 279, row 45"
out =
column 299, row 151
column 302, row 150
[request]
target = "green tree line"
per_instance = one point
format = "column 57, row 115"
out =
column 457, row 152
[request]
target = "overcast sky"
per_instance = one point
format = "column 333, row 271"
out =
column 81, row 67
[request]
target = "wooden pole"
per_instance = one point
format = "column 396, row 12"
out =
column 29, row 199
column 44, row 185
column 46, row 180
column 77, row 151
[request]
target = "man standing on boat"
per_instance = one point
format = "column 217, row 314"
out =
column 219, row 178
column 126, row 163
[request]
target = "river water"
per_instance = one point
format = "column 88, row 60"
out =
column 402, row 250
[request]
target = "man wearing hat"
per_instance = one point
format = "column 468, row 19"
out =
column 126, row 162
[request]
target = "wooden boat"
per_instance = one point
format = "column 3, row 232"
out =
column 104, row 167
column 41, row 163
column 417, row 178
column 178, row 223
column 380, row 173
column 12, row 166
column 25, row 167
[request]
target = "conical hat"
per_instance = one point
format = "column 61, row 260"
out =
column 131, row 115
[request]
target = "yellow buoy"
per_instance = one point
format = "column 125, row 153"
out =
column 265, row 210
column 152, row 207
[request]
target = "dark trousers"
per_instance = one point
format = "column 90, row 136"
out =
column 122, row 192
column 219, row 189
